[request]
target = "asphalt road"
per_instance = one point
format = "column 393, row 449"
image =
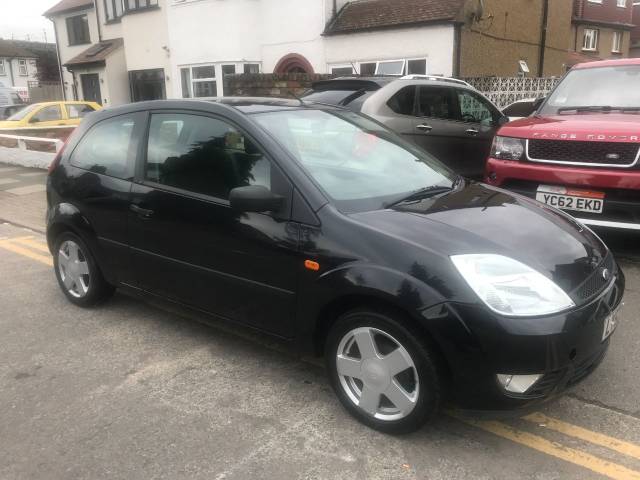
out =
column 132, row 390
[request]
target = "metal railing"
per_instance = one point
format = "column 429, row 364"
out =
column 22, row 145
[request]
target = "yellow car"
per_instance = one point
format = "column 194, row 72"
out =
column 50, row 114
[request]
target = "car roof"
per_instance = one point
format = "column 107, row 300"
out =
column 620, row 62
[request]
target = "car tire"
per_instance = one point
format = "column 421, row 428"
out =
column 77, row 272
column 385, row 397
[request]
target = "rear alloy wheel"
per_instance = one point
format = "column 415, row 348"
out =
column 381, row 372
column 77, row 273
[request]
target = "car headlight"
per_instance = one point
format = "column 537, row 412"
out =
column 509, row 287
column 507, row 148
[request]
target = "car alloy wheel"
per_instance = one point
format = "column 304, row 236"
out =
column 377, row 373
column 73, row 269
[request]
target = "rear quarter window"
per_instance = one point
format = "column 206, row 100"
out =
column 106, row 148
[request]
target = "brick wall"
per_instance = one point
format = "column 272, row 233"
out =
column 270, row 84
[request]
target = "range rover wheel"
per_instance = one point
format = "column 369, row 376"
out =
column 77, row 272
column 382, row 373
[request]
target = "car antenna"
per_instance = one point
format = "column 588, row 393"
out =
column 302, row 103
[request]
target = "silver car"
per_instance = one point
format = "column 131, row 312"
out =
column 446, row 117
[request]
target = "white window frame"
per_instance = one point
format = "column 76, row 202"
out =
column 426, row 66
column 341, row 65
column 590, row 38
column 3, row 70
column 621, row 3
column 23, row 71
column 219, row 78
column 380, row 62
column 617, row 42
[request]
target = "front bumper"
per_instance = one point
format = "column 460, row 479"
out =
column 621, row 188
column 566, row 348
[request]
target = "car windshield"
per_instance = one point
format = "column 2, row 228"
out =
column 358, row 163
column 22, row 113
column 596, row 89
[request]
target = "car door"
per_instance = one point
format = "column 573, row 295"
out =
column 100, row 173
column 189, row 245
column 480, row 121
column 435, row 128
column 47, row 116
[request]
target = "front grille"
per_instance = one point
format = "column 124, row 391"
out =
column 596, row 282
column 596, row 153
column 583, row 369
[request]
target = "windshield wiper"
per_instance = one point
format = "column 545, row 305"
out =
column 420, row 194
column 597, row 108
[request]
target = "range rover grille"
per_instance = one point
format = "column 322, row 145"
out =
column 593, row 153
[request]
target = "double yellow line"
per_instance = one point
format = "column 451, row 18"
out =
column 28, row 247
column 562, row 452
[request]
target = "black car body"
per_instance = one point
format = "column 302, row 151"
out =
column 288, row 258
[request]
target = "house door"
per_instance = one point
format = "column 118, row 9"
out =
column 147, row 85
column 91, row 87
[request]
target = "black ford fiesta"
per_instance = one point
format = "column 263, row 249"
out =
column 322, row 227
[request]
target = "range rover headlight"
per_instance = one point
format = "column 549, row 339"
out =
column 509, row 287
column 507, row 148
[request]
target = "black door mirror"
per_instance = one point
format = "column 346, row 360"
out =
column 538, row 103
column 255, row 198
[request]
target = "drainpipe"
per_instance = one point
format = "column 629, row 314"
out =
column 95, row 7
column 334, row 11
column 55, row 34
column 543, row 36
column 13, row 81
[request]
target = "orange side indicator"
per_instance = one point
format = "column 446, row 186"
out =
column 311, row 265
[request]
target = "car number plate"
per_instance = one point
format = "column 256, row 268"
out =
column 610, row 324
column 571, row 199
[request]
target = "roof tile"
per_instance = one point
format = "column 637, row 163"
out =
column 376, row 14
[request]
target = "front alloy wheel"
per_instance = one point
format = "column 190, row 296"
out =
column 382, row 370
column 377, row 373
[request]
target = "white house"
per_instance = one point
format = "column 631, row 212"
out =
column 18, row 65
column 129, row 50
column 115, row 54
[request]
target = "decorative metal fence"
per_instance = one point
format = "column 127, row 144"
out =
column 505, row 90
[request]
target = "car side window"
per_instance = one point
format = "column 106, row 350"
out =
column 47, row 114
column 203, row 155
column 78, row 110
column 403, row 101
column 105, row 148
column 436, row 102
column 474, row 109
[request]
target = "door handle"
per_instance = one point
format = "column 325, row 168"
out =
column 472, row 131
column 142, row 212
column 424, row 127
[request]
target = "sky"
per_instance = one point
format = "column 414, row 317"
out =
column 23, row 18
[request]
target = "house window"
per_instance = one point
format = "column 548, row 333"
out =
column 409, row 66
column 368, row 68
column 617, row 42
column 622, row 3
column 392, row 67
column 22, row 68
column 133, row 5
column 251, row 68
column 2, row 70
column 78, row 30
column 590, row 40
column 342, row 70
column 198, row 82
column 113, row 9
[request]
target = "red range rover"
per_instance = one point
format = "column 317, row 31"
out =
column 580, row 151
